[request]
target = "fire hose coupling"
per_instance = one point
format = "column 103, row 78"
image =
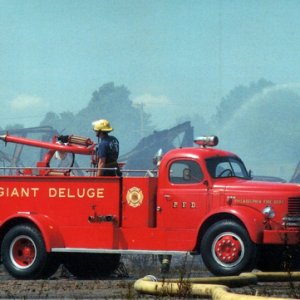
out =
column 101, row 219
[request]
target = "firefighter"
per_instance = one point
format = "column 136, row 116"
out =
column 107, row 150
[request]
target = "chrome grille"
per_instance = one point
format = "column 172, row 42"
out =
column 294, row 207
column 293, row 217
column 291, row 221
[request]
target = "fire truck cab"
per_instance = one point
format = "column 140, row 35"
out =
column 200, row 200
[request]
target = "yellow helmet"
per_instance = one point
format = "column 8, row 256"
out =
column 102, row 125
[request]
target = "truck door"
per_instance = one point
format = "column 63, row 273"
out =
column 182, row 195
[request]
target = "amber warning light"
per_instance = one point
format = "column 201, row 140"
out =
column 204, row 141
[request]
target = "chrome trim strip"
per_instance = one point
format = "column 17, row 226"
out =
column 116, row 251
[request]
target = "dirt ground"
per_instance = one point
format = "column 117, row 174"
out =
column 119, row 285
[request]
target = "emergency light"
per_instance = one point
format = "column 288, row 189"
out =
column 204, row 141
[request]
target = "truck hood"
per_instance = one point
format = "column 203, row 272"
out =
column 284, row 198
column 241, row 185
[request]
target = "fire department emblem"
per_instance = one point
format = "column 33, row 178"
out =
column 134, row 197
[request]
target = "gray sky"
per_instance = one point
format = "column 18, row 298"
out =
column 177, row 57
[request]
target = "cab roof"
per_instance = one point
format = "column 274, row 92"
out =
column 197, row 152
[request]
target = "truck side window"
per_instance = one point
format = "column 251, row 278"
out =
column 185, row 172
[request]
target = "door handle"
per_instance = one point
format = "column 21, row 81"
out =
column 167, row 197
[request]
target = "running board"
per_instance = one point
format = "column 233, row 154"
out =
column 116, row 251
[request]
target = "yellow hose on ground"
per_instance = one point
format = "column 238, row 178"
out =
column 208, row 287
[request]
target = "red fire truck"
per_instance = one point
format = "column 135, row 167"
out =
column 200, row 200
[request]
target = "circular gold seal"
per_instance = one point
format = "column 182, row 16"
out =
column 134, row 197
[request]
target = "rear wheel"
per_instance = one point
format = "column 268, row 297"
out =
column 83, row 265
column 24, row 254
column 227, row 249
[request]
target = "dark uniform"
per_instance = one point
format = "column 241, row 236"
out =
column 108, row 148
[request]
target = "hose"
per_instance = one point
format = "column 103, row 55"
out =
column 217, row 288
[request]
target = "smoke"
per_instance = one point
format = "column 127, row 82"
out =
column 151, row 100
column 24, row 109
column 162, row 110
column 292, row 86
column 265, row 131
column 25, row 102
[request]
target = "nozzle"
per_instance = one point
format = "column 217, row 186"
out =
column 3, row 137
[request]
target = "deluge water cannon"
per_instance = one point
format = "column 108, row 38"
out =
column 72, row 144
column 60, row 144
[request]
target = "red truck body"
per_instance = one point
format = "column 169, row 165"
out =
column 201, row 200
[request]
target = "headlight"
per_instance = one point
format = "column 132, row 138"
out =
column 268, row 212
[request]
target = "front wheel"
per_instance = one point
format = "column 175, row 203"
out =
column 24, row 253
column 227, row 249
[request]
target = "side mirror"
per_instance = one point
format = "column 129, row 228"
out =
column 250, row 174
column 157, row 157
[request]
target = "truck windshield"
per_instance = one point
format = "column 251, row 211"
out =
column 228, row 166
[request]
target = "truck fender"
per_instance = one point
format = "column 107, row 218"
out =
column 251, row 218
column 49, row 230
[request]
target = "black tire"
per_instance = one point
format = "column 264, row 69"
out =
column 87, row 265
column 53, row 263
column 227, row 249
column 279, row 258
column 24, row 254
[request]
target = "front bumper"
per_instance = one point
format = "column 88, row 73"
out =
column 281, row 237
